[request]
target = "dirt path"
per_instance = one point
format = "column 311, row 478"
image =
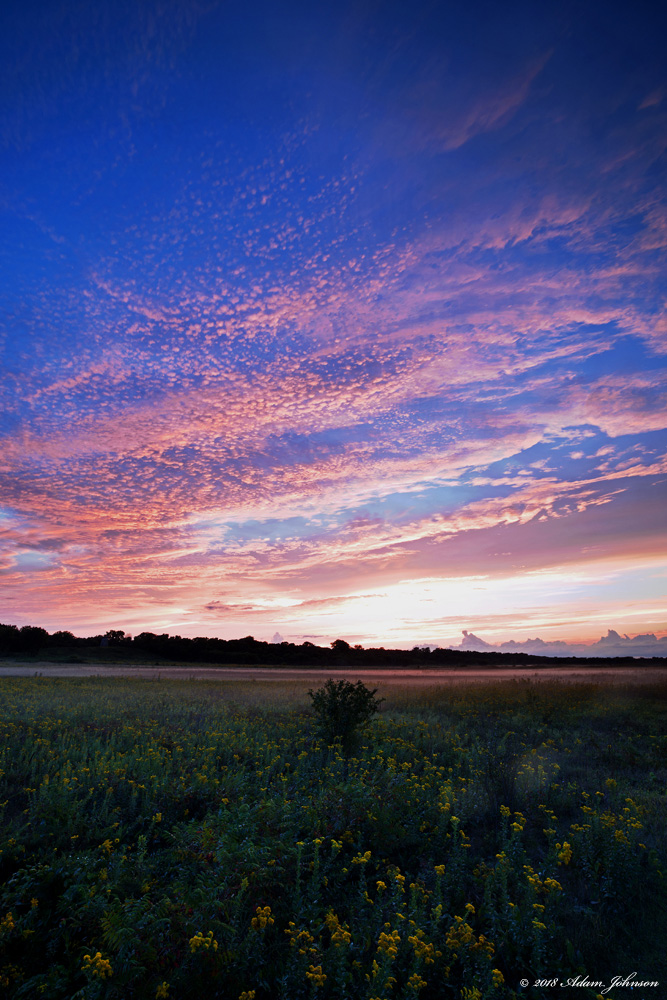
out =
column 600, row 675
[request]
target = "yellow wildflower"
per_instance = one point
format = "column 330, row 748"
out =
column 388, row 943
column 97, row 966
column 315, row 974
column 361, row 859
column 339, row 935
column 263, row 918
column 422, row 948
column 200, row 942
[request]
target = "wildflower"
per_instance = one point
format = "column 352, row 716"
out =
column 439, row 870
column 388, row 943
column 157, row 818
column 97, row 966
column 416, row 983
column 315, row 974
column 381, row 886
column 339, row 935
column 7, row 923
column 564, row 853
column 162, row 992
column 34, row 903
column 460, row 933
column 362, row 859
column 505, row 811
column 263, row 918
column 199, row 941
column 247, row 995
column 497, row 977
column 485, row 946
column 422, row 948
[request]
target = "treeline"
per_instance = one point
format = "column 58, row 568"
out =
column 34, row 641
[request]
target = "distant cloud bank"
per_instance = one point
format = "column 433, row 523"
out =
column 611, row 644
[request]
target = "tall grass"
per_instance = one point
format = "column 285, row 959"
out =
column 185, row 839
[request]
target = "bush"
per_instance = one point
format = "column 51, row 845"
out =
column 341, row 708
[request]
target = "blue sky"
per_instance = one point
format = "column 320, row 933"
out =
column 337, row 320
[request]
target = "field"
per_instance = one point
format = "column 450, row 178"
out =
column 175, row 839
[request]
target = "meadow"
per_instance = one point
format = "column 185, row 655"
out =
column 175, row 839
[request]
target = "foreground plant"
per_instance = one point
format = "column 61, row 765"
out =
column 342, row 708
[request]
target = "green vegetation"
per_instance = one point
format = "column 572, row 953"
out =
column 31, row 643
column 175, row 839
column 342, row 708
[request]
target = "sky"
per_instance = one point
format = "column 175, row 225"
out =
column 334, row 320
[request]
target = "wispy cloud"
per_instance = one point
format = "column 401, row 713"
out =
column 273, row 361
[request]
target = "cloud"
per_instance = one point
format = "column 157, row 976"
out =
column 610, row 645
column 305, row 360
column 652, row 100
column 492, row 110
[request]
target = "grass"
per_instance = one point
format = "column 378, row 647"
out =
column 169, row 839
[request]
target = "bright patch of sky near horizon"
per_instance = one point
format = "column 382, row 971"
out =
column 340, row 320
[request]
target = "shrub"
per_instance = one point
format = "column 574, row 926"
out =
column 341, row 708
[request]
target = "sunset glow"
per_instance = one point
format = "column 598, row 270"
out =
column 334, row 321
